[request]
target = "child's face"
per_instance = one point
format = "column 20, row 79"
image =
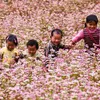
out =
column 32, row 50
column 56, row 38
column 91, row 25
column 10, row 45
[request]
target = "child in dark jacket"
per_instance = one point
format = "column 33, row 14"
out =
column 55, row 44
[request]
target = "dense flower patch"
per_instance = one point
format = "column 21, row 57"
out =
column 74, row 75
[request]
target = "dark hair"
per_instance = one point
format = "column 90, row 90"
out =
column 32, row 43
column 91, row 18
column 58, row 31
column 12, row 38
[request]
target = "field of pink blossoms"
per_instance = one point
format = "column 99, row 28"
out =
column 74, row 75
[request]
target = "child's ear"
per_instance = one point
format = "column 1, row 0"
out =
column 50, row 36
column 15, row 54
column 85, row 25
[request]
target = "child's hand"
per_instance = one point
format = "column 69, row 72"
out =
column 72, row 44
column 97, row 51
column 12, row 62
column 45, row 69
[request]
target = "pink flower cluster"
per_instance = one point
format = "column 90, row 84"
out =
column 74, row 75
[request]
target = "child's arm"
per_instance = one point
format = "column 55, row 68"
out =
column 20, row 56
column 45, row 64
column 47, row 51
column 46, row 61
column 78, row 37
column 65, row 46
column 1, row 55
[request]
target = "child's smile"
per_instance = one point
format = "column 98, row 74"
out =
column 56, row 39
column 91, row 25
column 10, row 45
column 32, row 50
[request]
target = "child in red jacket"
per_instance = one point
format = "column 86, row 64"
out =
column 90, row 34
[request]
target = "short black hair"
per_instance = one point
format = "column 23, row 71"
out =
column 12, row 38
column 58, row 31
column 91, row 18
column 33, row 42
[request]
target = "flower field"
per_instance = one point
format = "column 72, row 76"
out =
column 74, row 75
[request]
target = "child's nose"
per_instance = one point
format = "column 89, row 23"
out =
column 92, row 26
column 10, row 47
column 31, row 51
column 57, row 40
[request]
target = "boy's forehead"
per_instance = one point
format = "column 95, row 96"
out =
column 31, row 47
column 10, row 42
column 92, row 22
column 56, row 34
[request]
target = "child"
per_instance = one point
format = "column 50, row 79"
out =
column 8, row 53
column 31, row 53
column 55, row 44
column 90, row 34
